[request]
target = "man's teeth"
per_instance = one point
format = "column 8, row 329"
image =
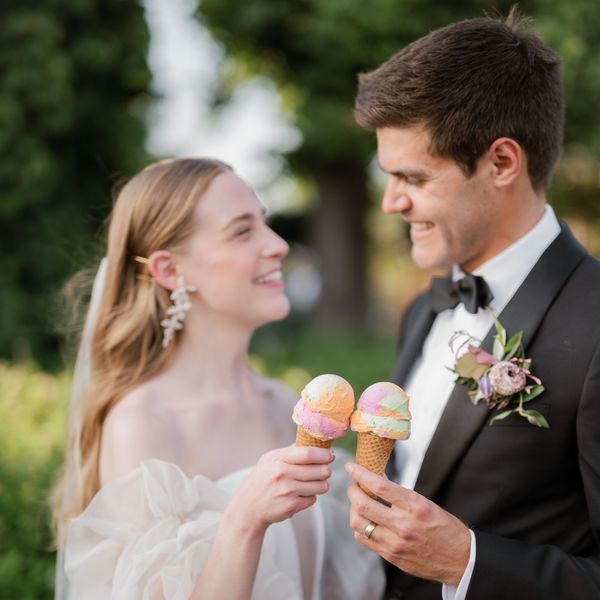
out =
column 275, row 276
column 422, row 226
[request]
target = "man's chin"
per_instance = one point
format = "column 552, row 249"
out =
column 429, row 260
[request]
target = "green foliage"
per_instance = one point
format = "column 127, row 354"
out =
column 32, row 405
column 317, row 48
column 72, row 93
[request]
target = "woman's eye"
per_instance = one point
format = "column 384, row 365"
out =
column 242, row 231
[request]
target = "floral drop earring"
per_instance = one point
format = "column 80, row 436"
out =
column 177, row 311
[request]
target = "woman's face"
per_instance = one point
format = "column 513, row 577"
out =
column 233, row 257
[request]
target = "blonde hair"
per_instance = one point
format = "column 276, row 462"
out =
column 153, row 211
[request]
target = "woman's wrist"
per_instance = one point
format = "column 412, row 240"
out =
column 243, row 523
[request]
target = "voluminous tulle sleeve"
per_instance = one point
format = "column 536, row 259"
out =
column 147, row 536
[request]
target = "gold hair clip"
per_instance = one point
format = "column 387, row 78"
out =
column 141, row 259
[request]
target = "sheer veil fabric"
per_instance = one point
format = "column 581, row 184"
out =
column 81, row 375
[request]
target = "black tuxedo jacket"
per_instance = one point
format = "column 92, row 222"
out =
column 531, row 495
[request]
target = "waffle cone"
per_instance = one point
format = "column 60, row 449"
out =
column 373, row 452
column 303, row 438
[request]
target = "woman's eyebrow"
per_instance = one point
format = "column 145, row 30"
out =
column 248, row 216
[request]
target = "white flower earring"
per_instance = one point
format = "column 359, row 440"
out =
column 177, row 311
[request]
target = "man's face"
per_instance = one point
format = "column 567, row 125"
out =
column 451, row 216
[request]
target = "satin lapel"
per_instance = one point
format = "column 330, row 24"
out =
column 417, row 331
column 461, row 421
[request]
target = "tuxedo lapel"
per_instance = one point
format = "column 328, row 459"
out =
column 417, row 328
column 461, row 421
column 411, row 347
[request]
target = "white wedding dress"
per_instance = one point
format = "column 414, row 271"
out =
column 147, row 535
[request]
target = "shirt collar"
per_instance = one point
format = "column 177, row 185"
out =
column 505, row 272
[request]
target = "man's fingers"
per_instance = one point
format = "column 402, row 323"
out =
column 367, row 508
column 380, row 486
column 372, row 535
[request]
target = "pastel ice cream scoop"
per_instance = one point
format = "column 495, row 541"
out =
column 323, row 412
column 381, row 417
column 382, row 410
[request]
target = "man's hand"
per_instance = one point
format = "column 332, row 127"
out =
column 414, row 534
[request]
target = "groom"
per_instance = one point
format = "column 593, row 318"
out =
column 469, row 123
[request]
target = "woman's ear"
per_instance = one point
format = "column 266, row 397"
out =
column 507, row 160
column 162, row 267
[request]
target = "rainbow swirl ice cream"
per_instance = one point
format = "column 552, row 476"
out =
column 323, row 411
column 381, row 418
column 382, row 410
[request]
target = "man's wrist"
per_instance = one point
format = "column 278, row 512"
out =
column 459, row 592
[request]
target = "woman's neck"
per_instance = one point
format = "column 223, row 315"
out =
column 212, row 355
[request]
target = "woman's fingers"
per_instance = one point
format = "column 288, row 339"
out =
column 308, row 472
column 304, row 488
column 307, row 455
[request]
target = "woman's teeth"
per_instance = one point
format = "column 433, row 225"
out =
column 275, row 276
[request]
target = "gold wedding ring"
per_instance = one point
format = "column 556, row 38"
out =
column 369, row 529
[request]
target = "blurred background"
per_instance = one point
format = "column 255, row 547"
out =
column 92, row 90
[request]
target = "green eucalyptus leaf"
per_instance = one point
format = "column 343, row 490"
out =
column 536, row 390
column 535, row 418
column 513, row 345
column 502, row 415
column 498, row 348
column 499, row 339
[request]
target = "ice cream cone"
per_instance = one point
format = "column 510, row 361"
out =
column 303, row 438
column 373, row 453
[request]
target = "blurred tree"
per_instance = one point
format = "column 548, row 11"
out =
column 573, row 30
column 73, row 81
column 314, row 49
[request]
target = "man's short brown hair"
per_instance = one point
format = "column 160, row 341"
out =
column 469, row 84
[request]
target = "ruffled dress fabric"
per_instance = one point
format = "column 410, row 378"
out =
column 148, row 534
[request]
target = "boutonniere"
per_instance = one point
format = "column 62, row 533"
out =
column 503, row 379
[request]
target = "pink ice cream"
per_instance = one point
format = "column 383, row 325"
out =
column 325, row 406
column 383, row 411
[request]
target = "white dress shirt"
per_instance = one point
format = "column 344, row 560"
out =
column 430, row 382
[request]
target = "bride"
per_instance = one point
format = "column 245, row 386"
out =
column 180, row 479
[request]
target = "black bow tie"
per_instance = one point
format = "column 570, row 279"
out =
column 471, row 290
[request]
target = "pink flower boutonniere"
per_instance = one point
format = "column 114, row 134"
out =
column 503, row 379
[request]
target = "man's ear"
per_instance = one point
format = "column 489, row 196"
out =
column 507, row 161
column 162, row 267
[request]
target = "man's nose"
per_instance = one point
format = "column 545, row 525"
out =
column 395, row 198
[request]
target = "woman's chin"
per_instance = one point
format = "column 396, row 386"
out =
column 277, row 311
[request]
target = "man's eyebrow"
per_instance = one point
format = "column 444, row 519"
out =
column 406, row 172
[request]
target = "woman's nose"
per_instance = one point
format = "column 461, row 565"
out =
column 275, row 246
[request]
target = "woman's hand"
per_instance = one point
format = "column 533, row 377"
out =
column 283, row 482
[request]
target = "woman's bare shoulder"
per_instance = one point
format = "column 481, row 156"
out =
column 135, row 429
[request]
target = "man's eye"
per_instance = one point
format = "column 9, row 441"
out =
column 242, row 231
column 414, row 181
